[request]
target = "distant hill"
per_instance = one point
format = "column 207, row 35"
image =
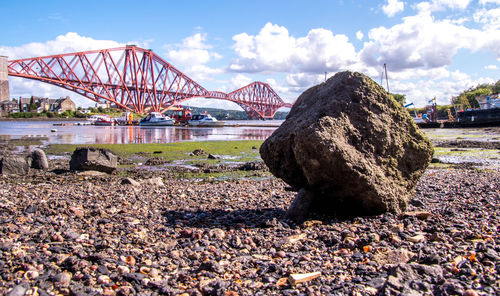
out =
column 222, row 114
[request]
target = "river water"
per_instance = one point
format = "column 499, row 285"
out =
column 67, row 132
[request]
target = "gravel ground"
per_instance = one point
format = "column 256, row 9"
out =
column 76, row 234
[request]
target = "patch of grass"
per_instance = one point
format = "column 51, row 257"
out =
column 232, row 175
column 466, row 151
column 440, row 166
column 241, row 150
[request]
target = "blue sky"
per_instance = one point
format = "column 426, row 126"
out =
column 434, row 48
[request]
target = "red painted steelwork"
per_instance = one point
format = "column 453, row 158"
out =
column 136, row 79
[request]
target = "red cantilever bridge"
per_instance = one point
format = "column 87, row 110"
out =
column 138, row 80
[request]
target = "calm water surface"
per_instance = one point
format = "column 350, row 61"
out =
column 70, row 133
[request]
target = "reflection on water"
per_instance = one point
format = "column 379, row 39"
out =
column 85, row 134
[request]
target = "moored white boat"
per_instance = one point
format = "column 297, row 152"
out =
column 156, row 119
column 104, row 120
column 204, row 120
column 95, row 117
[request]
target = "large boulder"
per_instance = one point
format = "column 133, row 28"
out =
column 39, row 160
column 14, row 165
column 350, row 149
column 93, row 159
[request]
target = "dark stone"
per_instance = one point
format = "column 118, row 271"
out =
column 134, row 277
column 300, row 206
column 93, row 159
column 39, row 160
column 211, row 266
column 103, row 269
column 214, row 288
column 197, row 152
column 411, row 279
column 212, row 156
column 155, row 161
column 435, row 160
column 253, row 166
column 352, row 145
column 14, row 165
column 31, row 209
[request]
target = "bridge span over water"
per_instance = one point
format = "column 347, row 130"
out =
column 137, row 80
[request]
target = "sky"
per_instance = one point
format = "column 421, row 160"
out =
column 435, row 48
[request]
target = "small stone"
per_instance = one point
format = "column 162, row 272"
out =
column 103, row 279
column 470, row 292
column 78, row 212
column 130, row 181
column 393, row 256
column 31, row 274
column 57, row 238
column 303, row 277
column 417, row 238
column 129, row 260
column 398, row 227
column 217, row 233
column 158, row 181
column 197, row 152
column 103, row 270
column 62, row 278
column 123, row 269
column 186, row 233
column 422, row 215
column 19, row 290
column 280, row 254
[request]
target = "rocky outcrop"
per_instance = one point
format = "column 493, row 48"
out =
column 350, row 147
column 93, row 159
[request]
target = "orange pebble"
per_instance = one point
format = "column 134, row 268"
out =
column 470, row 292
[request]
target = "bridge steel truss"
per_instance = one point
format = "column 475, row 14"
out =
column 136, row 79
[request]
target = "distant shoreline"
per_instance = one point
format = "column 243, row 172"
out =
column 43, row 119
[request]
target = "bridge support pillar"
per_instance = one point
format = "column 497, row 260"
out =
column 4, row 79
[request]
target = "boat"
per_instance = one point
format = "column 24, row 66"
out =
column 156, row 119
column 204, row 119
column 104, row 120
column 95, row 117
column 487, row 115
column 417, row 119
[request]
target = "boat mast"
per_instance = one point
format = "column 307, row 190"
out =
column 386, row 80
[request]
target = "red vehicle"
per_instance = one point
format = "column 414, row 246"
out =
column 180, row 114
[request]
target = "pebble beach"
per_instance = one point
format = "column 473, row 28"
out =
column 84, row 234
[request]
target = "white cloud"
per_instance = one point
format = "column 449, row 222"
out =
column 303, row 80
column 491, row 67
column 71, row 42
column 489, row 18
column 191, row 57
column 240, row 80
column 274, row 50
column 392, row 7
column 420, row 42
column 359, row 35
column 485, row 2
column 453, row 4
